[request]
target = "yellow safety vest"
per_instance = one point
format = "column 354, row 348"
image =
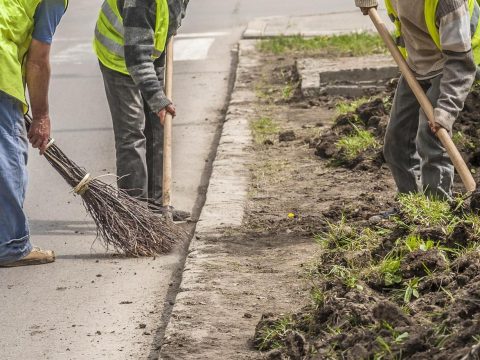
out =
column 16, row 28
column 109, row 42
column 430, row 20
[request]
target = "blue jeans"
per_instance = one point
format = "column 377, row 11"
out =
column 14, row 232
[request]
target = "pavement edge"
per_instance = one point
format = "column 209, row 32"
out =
column 225, row 201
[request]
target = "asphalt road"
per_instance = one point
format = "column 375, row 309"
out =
column 92, row 304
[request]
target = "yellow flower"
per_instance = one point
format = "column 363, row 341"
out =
column 291, row 215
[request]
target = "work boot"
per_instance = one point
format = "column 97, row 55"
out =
column 36, row 257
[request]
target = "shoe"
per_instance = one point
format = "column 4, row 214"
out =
column 383, row 215
column 177, row 215
column 36, row 257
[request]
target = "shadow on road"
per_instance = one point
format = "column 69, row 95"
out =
column 47, row 227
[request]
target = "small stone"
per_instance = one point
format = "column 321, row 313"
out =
column 142, row 326
column 247, row 315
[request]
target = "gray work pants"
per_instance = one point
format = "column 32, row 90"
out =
column 138, row 138
column 411, row 150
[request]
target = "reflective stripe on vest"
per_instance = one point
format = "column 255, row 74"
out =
column 431, row 22
column 16, row 28
column 109, row 35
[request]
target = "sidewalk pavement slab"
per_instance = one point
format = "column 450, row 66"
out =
column 311, row 25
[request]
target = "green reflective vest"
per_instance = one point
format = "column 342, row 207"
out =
column 109, row 42
column 430, row 20
column 16, row 28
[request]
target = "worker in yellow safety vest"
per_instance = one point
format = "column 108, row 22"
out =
column 130, row 40
column 26, row 31
column 440, row 40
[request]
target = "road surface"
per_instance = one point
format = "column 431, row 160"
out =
column 91, row 304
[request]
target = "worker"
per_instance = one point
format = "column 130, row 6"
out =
column 130, row 42
column 436, row 38
column 26, row 32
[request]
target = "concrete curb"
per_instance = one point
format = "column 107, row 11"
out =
column 224, row 207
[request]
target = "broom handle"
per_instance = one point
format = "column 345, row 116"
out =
column 424, row 102
column 167, row 130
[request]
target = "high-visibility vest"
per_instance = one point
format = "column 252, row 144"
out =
column 431, row 21
column 16, row 28
column 109, row 41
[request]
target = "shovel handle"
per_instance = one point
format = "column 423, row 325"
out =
column 424, row 102
column 167, row 130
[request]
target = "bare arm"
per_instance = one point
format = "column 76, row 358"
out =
column 38, row 79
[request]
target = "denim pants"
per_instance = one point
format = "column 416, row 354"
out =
column 14, row 232
column 138, row 138
column 411, row 150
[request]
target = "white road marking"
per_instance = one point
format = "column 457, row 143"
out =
column 192, row 49
column 188, row 47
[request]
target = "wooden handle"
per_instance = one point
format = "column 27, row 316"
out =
column 424, row 102
column 167, row 130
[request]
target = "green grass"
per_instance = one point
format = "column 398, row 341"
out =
column 426, row 211
column 357, row 143
column 461, row 140
column 347, row 106
column 272, row 337
column 263, row 129
column 389, row 270
column 354, row 44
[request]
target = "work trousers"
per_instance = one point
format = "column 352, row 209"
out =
column 138, row 138
column 14, row 231
column 416, row 157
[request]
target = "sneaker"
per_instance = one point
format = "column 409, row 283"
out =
column 384, row 215
column 36, row 257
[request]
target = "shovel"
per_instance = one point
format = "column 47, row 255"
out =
column 425, row 104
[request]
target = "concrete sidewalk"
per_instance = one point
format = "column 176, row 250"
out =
column 311, row 25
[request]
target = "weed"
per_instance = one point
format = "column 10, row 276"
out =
column 411, row 290
column 360, row 141
column 263, row 128
column 414, row 242
column 419, row 209
column 288, row 90
column 389, row 270
column 318, row 297
column 462, row 141
column 345, row 275
column 339, row 235
column 354, row 44
column 272, row 337
column 348, row 106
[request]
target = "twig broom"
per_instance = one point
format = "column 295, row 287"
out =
column 123, row 222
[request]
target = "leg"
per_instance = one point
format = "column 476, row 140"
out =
column 14, row 232
column 154, row 136
column 126, row 107
column 399, row 147
column 437, row 169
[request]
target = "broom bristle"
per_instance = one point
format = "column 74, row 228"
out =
column 123, row 222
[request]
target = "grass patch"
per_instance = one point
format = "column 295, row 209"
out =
column 427, row 211
column 354, row 44
column 461, row 140
column 263, row 129
column 272, row 337
column 347, row 106
column 360, row 141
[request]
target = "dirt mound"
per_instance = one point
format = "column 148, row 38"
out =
column 372, row 116
column 393, row 291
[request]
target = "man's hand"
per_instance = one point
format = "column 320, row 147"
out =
column 163, row 113
column 434, row 127
column 365, row 10
column 39, row 133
